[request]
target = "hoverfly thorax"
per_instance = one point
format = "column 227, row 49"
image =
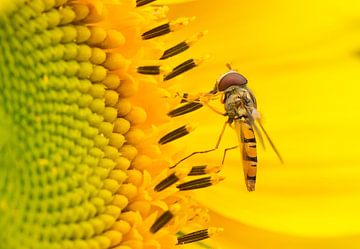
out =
column 239, row 102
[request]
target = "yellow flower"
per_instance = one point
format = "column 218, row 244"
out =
column 301, row 60
column 86, row 142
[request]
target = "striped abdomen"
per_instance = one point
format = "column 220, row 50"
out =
column 248, row 149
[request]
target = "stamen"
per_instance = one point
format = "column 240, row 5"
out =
column 175, row 134
column 161, row 221
column 158, row 31
column 189, row 107
column 198, row 170
column 172, row 178
column 200, row 183
column 198, row 235
column 177, row 49
column 182, row 46
column 193, row 237
column 140, row 3
column 153, row 70
column 166, row 28
column 167, row 182
column 204, row 169
column 183, row 67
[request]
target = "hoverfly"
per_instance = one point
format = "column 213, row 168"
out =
column 241, row 111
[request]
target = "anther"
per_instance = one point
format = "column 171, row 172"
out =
column 204, row 169
column 140, row 3
column 195, row 184
column 161, row 221
column 200, row 183
column 182, row 46
column 152, row 70
column 167, row 182
column 184, row 109
column 193, row 237
column 177, row 49
column 172, row 178
column 198, row 170
column 197, row 236
column 157, row 31
column 166, row 28
column 175, row 134
column 183, row 67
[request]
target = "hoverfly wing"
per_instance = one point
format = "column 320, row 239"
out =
column 255, row 116
column 270, row 141
column 247, row 142
column 251, row 120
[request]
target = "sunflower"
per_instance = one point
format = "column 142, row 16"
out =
column 87, row 144
column 88, row 134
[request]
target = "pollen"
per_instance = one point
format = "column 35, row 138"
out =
column 83, row 124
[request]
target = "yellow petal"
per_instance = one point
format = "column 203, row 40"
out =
column 300, row 60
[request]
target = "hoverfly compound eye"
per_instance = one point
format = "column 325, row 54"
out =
column 230, row 78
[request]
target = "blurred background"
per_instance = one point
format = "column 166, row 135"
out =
column 302, row 61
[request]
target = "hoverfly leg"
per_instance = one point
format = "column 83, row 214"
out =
column 214, row 110
column 185, row 98
column 204, row 151
column 226, row 150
